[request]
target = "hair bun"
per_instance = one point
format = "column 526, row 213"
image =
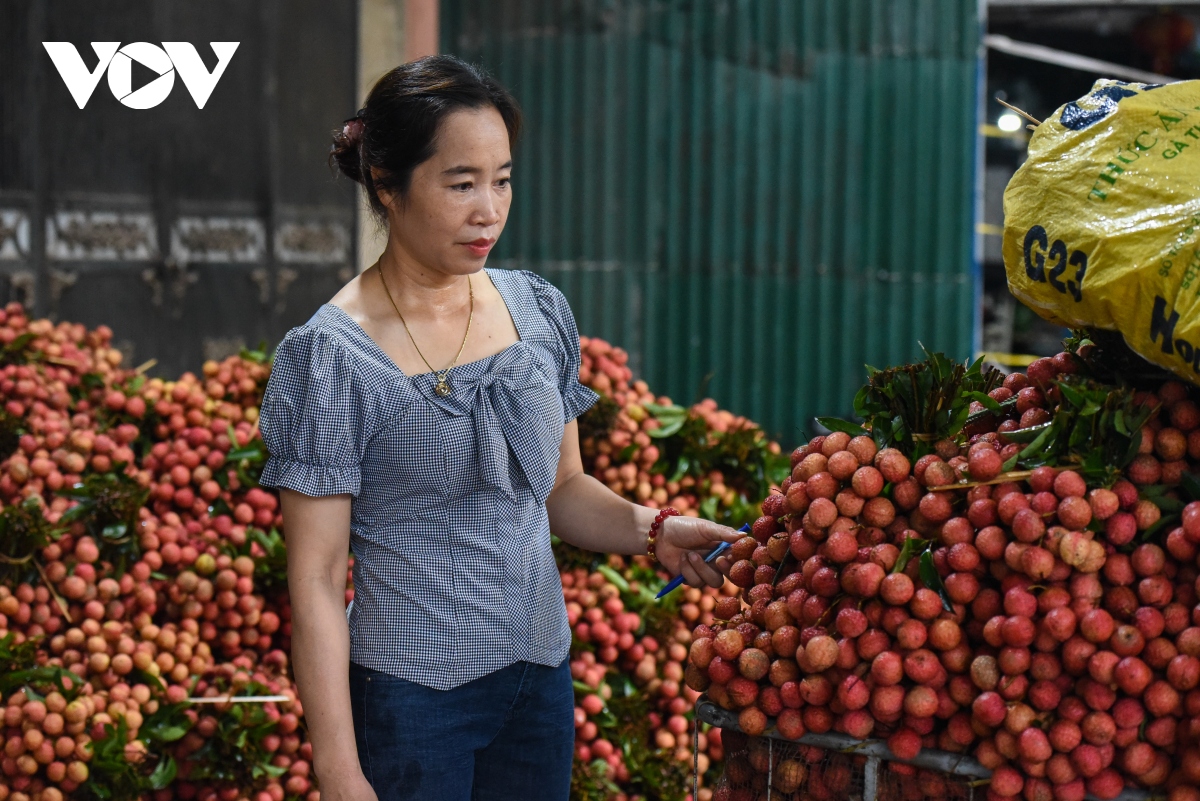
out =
column 346, row 148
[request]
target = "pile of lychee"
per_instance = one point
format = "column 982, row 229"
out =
column 611, row 643
column 138, row 618
column 625, row 455
column 1047, row 627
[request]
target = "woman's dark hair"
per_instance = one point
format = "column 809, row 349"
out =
column 397, row 128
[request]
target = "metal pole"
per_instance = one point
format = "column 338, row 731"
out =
column 770, row 766
column 871, row 779
column 1049, row 55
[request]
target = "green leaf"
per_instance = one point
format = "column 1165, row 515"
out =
column 912, row 546
column 1157, row 493
column 1070, row 394
column 957, row 420
column 163, row 774
column 614, row 577
column 681, row 470
column 1142, row 417
column 668, row 430
column 259, row 354
column 928, row 572
column 931, row 579
column 21, row 342
column 1119, row 423
column 665, row 411
column 837, row 424
column 860, row 401
column 76, row 512
column 114, row 532
column 1081, row 434
column 784, row 564
column 1190, row 484
column 988, row 402
column 169, row 734
column 1026, row 435
column 1010, row 464
column 39, row 676
column 1038, row 442
column 1135, row 444
column 1164, row 522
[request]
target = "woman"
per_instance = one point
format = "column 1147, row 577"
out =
column 425, row 419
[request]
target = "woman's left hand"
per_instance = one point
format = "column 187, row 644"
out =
column 685, row 541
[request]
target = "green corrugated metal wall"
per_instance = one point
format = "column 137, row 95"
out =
column 754, row 197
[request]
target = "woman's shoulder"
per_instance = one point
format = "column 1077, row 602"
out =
column 332, row 348
column 534, row 294
column 323, row 333
column 332, row 325
column 534, row 284
column 335, row 327
column 330, row 362
column 311, row 354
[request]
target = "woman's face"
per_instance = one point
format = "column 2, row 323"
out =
column 457, row 202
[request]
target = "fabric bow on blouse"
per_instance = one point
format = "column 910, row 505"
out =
column 509, row 397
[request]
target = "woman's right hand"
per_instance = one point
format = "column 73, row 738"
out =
column 353, row 787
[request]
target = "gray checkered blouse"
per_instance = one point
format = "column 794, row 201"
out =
column 453, row 574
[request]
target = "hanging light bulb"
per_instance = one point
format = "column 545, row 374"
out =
column 1009, row 122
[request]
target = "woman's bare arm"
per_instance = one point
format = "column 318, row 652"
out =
column 318, row 540
column 589, row 515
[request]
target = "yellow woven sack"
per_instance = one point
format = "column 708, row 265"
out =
column 1102, row 223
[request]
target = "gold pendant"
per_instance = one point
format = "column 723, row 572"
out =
column 442, row 388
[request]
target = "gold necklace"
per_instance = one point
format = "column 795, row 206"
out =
column 442, row 387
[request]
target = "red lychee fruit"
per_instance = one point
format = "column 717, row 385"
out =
column 905, row 744
column 989, row 709
column 1069, row 484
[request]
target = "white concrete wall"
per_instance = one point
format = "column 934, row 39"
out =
column 390, row 32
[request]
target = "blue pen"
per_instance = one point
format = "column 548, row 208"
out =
column 674, row 583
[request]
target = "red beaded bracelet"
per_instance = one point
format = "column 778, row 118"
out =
column 656, row 527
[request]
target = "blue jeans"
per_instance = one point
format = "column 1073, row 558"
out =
column 506, row 735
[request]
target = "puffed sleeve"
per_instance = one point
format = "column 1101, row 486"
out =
column 311, row 420
column 577, row 398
